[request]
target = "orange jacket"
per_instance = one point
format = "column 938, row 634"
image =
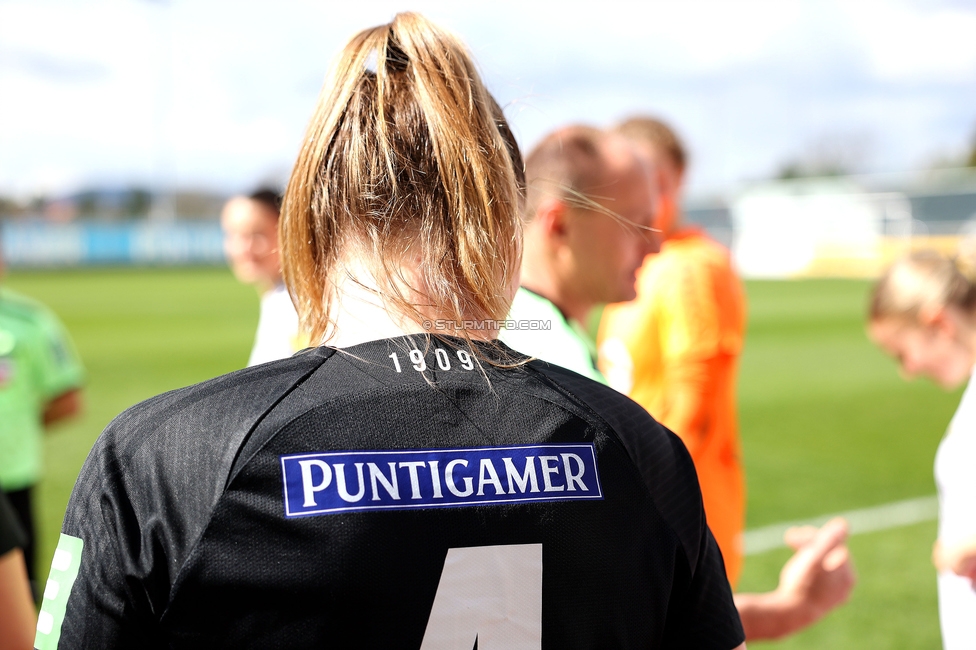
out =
column 675, row 351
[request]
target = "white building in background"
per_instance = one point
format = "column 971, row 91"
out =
column 815, row 227
column 850, row 226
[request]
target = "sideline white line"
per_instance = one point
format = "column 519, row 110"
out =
column 865, row 520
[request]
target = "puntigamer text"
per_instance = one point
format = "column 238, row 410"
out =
column 335, row 482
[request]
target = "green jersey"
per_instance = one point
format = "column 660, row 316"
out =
column 37, row 363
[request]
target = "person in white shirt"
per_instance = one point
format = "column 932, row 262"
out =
column 923, row 313
column 250, row 225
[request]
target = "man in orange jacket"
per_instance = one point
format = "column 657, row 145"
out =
column 675, row 348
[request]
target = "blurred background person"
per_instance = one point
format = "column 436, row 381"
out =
column 675, row 348
column 17, row 616
column 923, row 313
column 590, row 207
column 41, row 378
column 250, row 225
column 580, row 251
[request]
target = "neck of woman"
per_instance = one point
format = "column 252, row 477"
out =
column 360, row 314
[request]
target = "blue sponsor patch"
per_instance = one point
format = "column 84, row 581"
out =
column 344, row 481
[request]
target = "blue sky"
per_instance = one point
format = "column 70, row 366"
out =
column 215, row 94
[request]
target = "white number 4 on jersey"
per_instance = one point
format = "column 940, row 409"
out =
column 488, row 594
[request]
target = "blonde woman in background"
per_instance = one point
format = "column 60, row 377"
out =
column 923, row 313
column 409, row 482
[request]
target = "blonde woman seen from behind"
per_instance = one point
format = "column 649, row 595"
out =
column 408, row 482
column 923, row 313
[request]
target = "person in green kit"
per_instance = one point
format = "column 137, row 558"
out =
column 41, row 378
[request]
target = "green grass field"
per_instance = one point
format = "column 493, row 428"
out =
column 827, row 425
column 139, row 332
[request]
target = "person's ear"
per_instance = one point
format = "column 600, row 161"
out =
column 552, row 218
column 938, row 319
column 680, row 179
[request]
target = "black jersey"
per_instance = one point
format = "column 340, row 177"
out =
column 396, row 494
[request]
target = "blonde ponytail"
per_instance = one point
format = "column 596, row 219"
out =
column 407, row 157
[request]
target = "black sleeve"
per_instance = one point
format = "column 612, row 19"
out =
column 145, row 495
column 11, row 534
column 703, row 613
column 110, row 603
